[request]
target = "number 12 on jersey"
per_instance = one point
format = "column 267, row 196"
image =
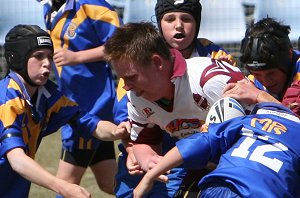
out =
column 258, row 154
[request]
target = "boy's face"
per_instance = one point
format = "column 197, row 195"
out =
column 39, row 66
column 151, row 82
column 273, row 79
column 178, row 29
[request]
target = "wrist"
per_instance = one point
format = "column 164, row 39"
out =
column 128, row 146
column 257, row 99
column 263, row 96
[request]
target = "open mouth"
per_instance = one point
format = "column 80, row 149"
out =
column 179, row 36
column 46, row 74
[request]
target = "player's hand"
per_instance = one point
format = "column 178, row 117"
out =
column 63, row 57
column 132, row 165
column 227, row 59
column 244, row 91
column 122, row 131
column 204, row 128
column 153, row 161
column 73, row 191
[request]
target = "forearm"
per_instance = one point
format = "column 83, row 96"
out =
column 108, row 131
column 31, row 170
column 145, row 154
column 91, row 55
column 263, row 96
column 104, row 131
column 170, row 160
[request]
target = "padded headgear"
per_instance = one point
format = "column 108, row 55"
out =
column 20, row 42
column 267, row 45
column 192, row 7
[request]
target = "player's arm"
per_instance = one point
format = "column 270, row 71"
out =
column 291, row 98
column 108, row 131
column 245, row 92
column 64, row 56
column 217, row 52
column 32, row 171
column 147, row 155
column 216, row 76
column 169, row 161
column 146, row 144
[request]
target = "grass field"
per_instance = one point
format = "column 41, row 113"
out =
column 48, row 157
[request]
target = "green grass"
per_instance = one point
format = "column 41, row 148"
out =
column 48, row 156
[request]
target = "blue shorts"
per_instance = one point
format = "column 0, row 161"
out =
column 85, row 158
column 213, row 190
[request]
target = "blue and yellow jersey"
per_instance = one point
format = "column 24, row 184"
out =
column 206, row 48
column 24, row 121
column 259, row 153
column 81, row 25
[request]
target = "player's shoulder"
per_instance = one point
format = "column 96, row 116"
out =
column 95, row 2
column 199, row 62
column 204, row 41
column 209, row 65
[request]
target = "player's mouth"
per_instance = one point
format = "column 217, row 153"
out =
column 46, row 74
column 179, row 36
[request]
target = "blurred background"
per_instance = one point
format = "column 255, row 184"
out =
column 223, row 21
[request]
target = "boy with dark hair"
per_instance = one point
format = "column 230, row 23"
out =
column 32, row 108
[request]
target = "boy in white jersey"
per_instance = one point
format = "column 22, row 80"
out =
column 162, row 88
column 178, row 23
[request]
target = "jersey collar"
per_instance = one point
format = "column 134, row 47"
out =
column 179, row 67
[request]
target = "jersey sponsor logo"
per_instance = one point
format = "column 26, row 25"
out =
column 183, row 124
column 269, row 125
column 201, row 101
column 147, row 112
column 186, row 134
column 71, row 31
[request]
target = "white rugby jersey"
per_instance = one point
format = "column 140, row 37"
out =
column 199, row 82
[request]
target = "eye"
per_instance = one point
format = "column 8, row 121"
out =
column 130, row 78
column 187, row 19
column 169, row 18
column 41, row 56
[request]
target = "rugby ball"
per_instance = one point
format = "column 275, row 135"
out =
column 224, row 109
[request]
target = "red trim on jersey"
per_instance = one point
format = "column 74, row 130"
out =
column 179, row 67
column 152, row 136
column 218, row 68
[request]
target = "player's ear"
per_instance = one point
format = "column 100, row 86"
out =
column 157, row 61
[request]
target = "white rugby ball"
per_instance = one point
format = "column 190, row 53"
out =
column 224, row 109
